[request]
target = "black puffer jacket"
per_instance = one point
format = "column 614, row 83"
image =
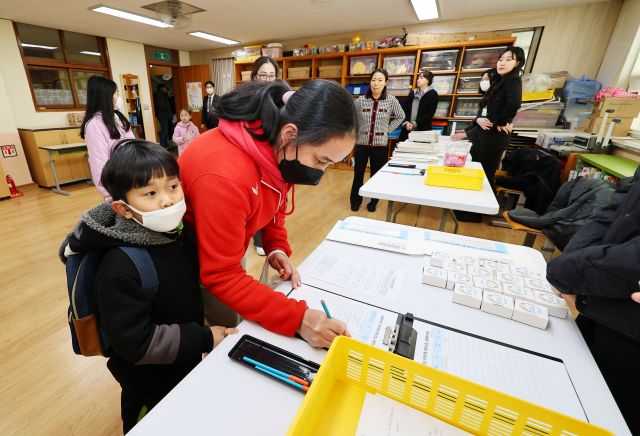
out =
column 571, row 208
column 601, row 263
column 538, row 177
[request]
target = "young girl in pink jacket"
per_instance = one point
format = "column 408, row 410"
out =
column 185, row 131
column 103, row 125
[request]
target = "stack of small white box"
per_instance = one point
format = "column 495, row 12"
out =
column 495, row 286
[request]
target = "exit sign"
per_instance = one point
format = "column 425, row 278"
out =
column 162, row 56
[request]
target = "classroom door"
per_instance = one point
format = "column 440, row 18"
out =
column 193, row 74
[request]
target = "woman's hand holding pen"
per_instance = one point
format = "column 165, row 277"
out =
column 484, row 123
column 318, row 330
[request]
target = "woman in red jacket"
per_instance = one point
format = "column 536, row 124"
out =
column 236, row 179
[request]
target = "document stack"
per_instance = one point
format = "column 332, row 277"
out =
column 420, row 147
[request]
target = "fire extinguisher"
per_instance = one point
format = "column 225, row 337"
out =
column 13, row 189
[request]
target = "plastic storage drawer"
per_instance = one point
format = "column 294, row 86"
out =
column 441, row 60
column 467, row 107
column 444, row 84
column 481, row 58
column 541, row 116
column 442, row 110
column 360, row 65
column 399, row 64
column 469, row 84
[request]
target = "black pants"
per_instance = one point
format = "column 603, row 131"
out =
column 257, row 239
column 165, row 131
column 362, row 154
column 488, row 147
column 618, row 357
column 132, row 404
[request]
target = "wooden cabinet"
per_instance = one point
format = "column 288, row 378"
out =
column 70, row 167
column 4, row 188
column 131, row 96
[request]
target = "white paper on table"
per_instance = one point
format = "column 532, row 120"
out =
column 382, row 416
column 461, row 241
column 370, row 233
column 356, row 274
column 537, row 379
column 365, row 323
column 401, row 171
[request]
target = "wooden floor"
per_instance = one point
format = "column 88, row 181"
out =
column 45, row 388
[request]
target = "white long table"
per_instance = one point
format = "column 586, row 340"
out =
column 411, row 189
column 223, row 397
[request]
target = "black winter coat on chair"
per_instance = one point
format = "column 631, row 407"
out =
column 537, row 177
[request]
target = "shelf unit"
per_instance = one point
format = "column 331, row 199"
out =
column 345, row 79
column 133, row 105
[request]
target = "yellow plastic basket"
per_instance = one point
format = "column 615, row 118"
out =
column 453, row 177
column 352, row 368
column 538, row 95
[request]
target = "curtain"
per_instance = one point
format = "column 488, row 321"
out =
column 223, row 75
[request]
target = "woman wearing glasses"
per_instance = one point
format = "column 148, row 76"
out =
column 264, row 69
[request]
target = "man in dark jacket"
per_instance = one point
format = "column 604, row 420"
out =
column 162, row 106
column 209, row 102
column 599, row 272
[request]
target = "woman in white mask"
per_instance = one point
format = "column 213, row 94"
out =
column 103, row 125
column 209, row 119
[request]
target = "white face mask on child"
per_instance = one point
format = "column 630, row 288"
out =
column 485, row 85
column 161, row 220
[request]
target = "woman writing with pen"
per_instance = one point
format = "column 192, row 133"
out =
column 271, row 140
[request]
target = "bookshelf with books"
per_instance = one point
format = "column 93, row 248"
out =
column 133, row 107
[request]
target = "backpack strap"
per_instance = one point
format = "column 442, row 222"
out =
column 146, row 269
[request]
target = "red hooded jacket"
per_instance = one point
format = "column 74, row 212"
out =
column 233, row 189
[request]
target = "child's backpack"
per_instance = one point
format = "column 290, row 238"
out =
column 87, row 336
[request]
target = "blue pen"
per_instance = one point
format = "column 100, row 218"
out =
column 264, row 367
column 286, row 380
column 326, row 309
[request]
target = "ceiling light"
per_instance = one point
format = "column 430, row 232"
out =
column 215, row 38
column 129, row 16
column 426, row 9
column 46, row 47
column 92, row 53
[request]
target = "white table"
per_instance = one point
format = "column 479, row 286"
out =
column 411, row 189
column 55, row 150
column 223, row 397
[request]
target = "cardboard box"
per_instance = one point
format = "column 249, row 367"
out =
column 621, row 129
column 623, row 107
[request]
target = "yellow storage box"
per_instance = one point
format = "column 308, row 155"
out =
column 538, row 95
column 352, row 368
column 453, row 177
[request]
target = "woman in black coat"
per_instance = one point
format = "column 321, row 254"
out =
column 498, row 107
column 420, row 106
column 209, row 120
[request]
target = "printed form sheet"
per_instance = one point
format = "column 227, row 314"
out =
column 357, row 274
column 538, row 379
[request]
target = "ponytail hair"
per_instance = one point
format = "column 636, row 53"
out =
column 321, row 110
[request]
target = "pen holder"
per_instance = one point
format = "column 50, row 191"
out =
column 456, row 154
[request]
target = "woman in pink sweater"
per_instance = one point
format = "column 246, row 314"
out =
column 103, row 125
column 185, row 131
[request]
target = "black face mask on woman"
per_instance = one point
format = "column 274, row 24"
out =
column 296, row 173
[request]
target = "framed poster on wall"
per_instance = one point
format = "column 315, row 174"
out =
column 9, row 150
column 194, row 96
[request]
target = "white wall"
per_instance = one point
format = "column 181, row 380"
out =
column 15, row 166
column 624, row 47
column 184, row 58
column 128, row 58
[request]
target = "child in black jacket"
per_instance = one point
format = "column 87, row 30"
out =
column 154, row 343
